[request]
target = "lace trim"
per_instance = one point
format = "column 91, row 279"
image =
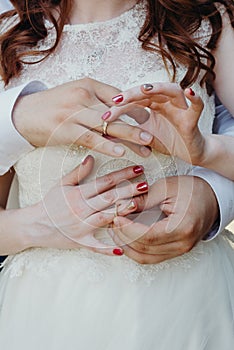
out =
column 94, row 266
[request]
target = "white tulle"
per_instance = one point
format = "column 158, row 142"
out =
column 75, row 299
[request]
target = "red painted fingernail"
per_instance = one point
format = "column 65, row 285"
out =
column 138, row 169
column 191, row 92
column 118, row 251
column 118, row 99
column 142, row 187
column 106, row 115
column 85, row 161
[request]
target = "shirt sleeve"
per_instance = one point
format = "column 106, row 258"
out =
column 222, row 187
column 12, row 144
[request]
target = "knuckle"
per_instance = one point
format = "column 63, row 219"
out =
column 189, row 231
column 109, row 180
column 87, row 138
column 141, row 260
column 144, row 248
column 75, row 96
column 80, row 93
column 101, row 219
column 184, row 247
column 108, row 197
column 187, row 246
column 86, row 81
column 150, row 238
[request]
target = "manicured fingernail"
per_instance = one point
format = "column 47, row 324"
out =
column 142, row 187
column 118, row 98
column 191, row 92
column 145, row 151
column 118, row 251
column 145, row 136
column 138, row 169
column 119, row 151
column 148, row 87
column 131, row 206
column 106, row 115
column 85, row 161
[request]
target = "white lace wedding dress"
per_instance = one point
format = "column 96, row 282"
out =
column 75, row 299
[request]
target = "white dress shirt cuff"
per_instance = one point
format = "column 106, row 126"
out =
column 224, row 191
column 13, row 146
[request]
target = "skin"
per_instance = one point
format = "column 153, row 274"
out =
column 59, row 115
column 183, row 225
column 170, row 113
column 80, row 210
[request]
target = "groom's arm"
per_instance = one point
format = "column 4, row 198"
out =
column 12, row 144
column 222, row 187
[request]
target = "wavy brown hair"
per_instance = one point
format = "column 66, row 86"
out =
column 173, row 22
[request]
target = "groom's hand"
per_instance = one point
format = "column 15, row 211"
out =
column 71, row 113
column 190, row 210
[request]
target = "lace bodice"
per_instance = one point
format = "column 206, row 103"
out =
column 110, row 52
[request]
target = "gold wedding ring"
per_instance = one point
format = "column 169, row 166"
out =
column 104, row 128
column 116, row 210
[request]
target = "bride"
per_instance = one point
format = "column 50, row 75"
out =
column 75, row 298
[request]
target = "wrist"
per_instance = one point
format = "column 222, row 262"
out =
column 35, row 231
column 13, row 232
column 211, row 153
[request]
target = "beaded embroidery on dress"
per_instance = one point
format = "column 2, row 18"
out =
column 120, row 292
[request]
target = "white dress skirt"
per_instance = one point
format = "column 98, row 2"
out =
column 78, row 300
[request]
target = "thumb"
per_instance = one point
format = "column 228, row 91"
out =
column 79, row 173
column 105, row 92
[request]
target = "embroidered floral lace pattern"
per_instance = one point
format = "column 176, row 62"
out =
column 110, row 52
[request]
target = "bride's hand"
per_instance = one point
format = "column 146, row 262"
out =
column 71, row 212
column 173, row 123
column 70, row 113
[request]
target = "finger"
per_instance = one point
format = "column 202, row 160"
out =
column 119, row 129
column 197, row 104
column 143, row 151
column 134, row 110
column 108, row 198
column 93, row 141
column 160, row 92
column 128, row 231
column 146, row 259
column 129, row 133
column 93, row 244
column 157, row 194
column 155, row 234
column 99, row 220
column 104, row 92
column 163, row 92
column 110, row 180
column 140, row 258
column 172, row 248
column 79, row 173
